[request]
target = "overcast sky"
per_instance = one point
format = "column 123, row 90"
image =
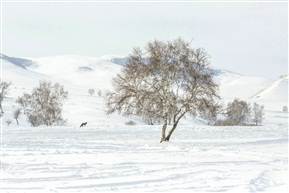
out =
column 248, row 38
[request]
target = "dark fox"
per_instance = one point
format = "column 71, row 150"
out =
column 83, row 124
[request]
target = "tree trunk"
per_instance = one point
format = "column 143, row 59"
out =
column 17, row 121
column 164, row 131
column 171, row 132
column 176, row 121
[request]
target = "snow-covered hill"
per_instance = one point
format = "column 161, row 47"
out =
column 275, row 95
column 233, row 85
column 78, row 74
column 21, row 78
column 79, row 70
column 17, row 61
column 279, row 85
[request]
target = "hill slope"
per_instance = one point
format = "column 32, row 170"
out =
column 233, row 85
column 275, row 95
column 279, row 85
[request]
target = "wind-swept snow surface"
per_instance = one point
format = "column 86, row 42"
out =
column 130, row 159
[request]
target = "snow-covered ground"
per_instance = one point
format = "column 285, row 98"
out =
column 117, row 158
column 109, row 156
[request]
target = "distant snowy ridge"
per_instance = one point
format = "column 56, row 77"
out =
column 56, row 65
column 122, row 60
column 219, row 71
column 117, row 59
column 21, row 62
column 98, row 72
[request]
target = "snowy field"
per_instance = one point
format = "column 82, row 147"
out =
column 131, row 159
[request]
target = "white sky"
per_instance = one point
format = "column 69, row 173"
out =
column 248, row 38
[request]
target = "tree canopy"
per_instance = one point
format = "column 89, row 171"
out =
column 165, row 80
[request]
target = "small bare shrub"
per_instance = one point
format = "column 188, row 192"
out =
column 225, row 122
column 130, row 123
column 4, row 88
column 8, row 121
column 99, row 93
column 16, row 115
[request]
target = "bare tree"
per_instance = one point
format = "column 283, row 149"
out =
column 238, row 111
column 4, row 88
column 44, row 104
column 91, row 91
column 167, row 80
column 210, row 114
column 99, row 93
column 24, row 101
column 16, row 114
column 258, row 113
